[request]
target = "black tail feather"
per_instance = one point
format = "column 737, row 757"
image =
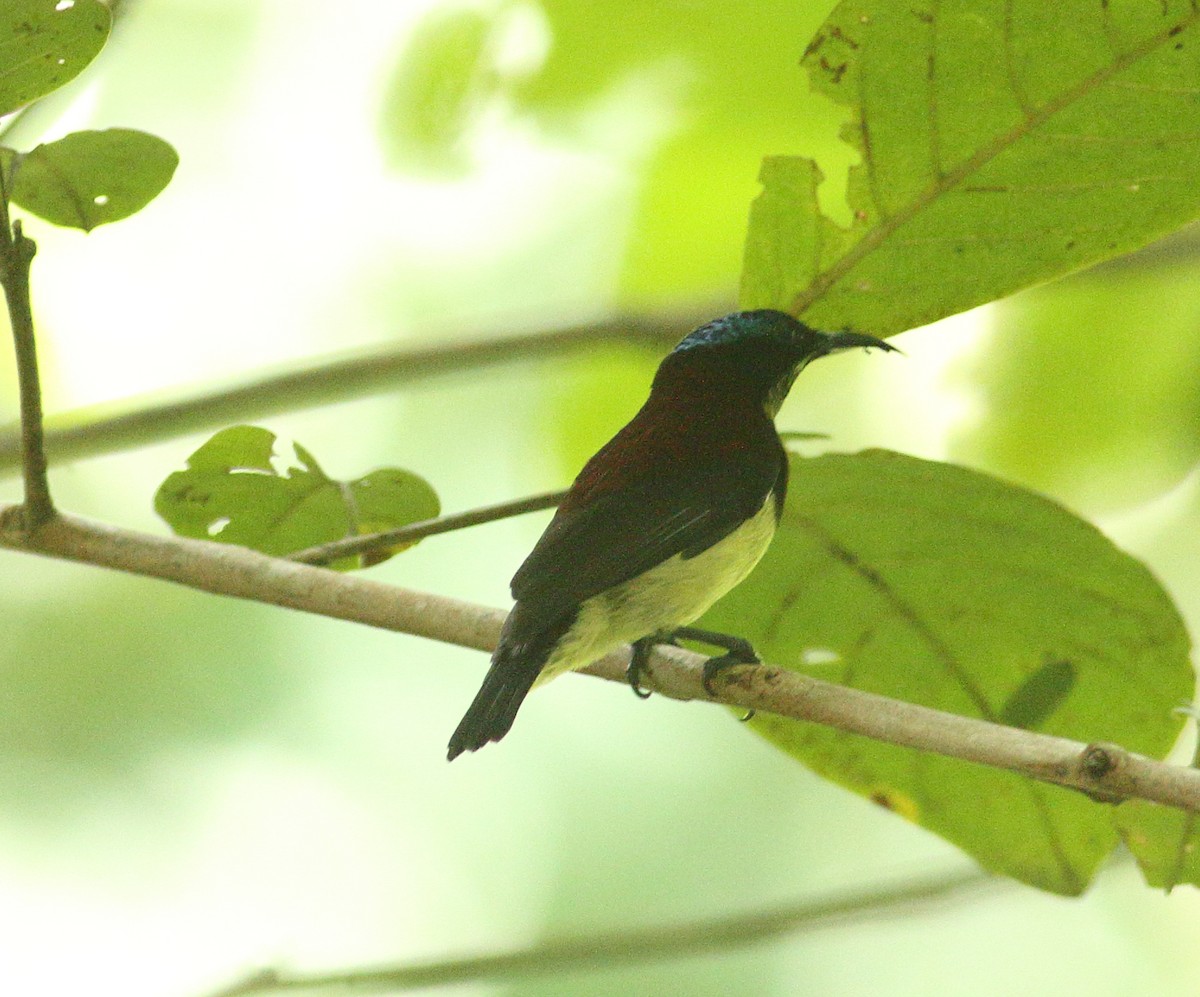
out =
column 495, row 706
column 526, row 644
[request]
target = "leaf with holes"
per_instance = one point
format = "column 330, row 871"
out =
column 90, row 178
column 941, row 586
column 1002, row 144
column 45, row 43
column 232, row 492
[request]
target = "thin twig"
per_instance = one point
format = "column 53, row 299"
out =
column 1103, row 771
column 648, row 943
column 16, row 257
column 410, row 534
column 134, row 422
column 336, row 549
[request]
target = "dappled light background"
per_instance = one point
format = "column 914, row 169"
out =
column 193, row 788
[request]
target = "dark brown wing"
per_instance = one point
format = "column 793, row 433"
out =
column 644, row 498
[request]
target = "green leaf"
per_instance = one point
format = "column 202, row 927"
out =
column 1093, row 390
column 1002, row 144
column 90, row 178
column 232, row 492
column 1164, row 841
column 940, row 586
column 45, row 43
column 437, row 90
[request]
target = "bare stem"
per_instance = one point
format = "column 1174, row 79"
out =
column 16, row 257
column 623, row 947
column 337, row 549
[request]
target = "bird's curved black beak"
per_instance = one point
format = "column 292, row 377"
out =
column 837, row 341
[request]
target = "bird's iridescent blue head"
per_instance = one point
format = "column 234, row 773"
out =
column 758, row 353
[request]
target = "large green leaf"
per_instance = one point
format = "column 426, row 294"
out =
column 45, row 43
column 1003, row 142
column 232, row 492
column 89, row 178
column 941, row 586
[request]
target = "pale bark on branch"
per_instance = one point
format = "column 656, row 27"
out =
column 1107, row 772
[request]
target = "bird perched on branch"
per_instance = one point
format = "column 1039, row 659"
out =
column 667, row 517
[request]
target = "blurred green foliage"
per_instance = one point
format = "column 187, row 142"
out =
column 96, row 693
column 1091, row 389
column 716, row 88
column 438, row 88
column 735, row 94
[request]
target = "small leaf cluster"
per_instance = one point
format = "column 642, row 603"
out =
column 231, row 491
column 86, row 178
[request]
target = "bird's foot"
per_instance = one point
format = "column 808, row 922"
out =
column 738, row 651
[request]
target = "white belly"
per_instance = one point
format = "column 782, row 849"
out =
column 669, row 595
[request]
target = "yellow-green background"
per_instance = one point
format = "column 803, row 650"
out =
column 191, row 788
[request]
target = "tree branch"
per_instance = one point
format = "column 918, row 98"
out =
column 334, row 550
column 140, row 421
column 623, row 947
column 1104, row 771
column 16, row 257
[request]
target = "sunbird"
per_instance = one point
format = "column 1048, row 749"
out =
column 668, row 516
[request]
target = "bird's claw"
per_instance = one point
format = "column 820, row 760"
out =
column 637, row 667
column 713, row 667
column 634, row 680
